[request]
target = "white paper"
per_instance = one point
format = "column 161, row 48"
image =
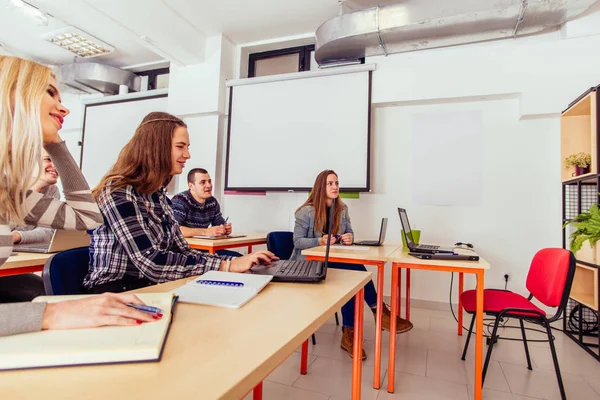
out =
column 447, row 158
column 344, row 247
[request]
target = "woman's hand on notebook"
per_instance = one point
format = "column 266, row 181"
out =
column 243, row 264
column 95, row 311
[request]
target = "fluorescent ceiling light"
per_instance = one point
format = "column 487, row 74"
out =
column 78, row 42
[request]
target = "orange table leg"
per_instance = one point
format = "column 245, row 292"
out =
column 407, row 312
column 479, row 337
column 249, row 249
column 460, row 308
column 394, row 311
column 304, row 359
column 211, row 251
column 359, row 309
column 398, row 290
column 378, row 320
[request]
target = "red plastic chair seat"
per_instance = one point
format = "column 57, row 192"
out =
column 494, row 301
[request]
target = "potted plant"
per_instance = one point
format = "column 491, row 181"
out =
column 587, row 229
column 581, row 162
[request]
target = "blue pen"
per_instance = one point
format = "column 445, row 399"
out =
column 145, row 308
column 226, row 220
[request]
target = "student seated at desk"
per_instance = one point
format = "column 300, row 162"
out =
column 31, row 110
column 26, row 287
column 312, row 222
column 140, row 243
column 196, row 209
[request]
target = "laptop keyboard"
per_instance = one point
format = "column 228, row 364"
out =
column 428, row 247
column 295, row 268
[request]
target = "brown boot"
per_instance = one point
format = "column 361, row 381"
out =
column 348, row 342
column 402, row 325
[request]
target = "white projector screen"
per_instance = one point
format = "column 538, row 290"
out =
column 283, row 133
column 107, row 128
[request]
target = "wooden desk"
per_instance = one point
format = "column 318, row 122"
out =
column 211, row 246
column 401, row 259
column 211, row 352
column 373, row 255
column 24, row 263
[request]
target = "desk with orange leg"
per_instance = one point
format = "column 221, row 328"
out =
column 24, row 263
column 401, row 259
column 211, row 352
column 376, row 256
column 210, row 245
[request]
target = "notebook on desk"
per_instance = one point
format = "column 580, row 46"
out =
column 222, row 289
column 104, row 345
column 218, row 237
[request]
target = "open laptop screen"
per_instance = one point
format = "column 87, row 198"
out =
column 382, row 230
column 406, row 227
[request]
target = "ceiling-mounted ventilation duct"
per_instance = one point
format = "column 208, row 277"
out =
column 417, row 25
column 98, row 78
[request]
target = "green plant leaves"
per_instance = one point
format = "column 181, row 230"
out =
column 587, row 228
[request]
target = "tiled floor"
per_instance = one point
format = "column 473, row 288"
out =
column 428, row 366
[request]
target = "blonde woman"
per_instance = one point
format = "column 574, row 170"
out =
column 31, row 115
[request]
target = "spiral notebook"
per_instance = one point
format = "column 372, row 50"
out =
column 222, row 289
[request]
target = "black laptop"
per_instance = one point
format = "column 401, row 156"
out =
column 297, row 270
column 421, row 248
column 379, row 242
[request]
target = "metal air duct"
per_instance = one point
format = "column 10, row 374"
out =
column 420, row 24
column 97, row 78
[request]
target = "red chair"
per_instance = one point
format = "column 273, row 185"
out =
column 549, row 281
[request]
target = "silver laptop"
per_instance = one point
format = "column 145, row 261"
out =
column 379, row 242
column 218, row 237
column 61, row 240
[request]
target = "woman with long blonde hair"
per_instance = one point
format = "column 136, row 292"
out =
column 310, row 230
column 140, row 243
column 31, row 115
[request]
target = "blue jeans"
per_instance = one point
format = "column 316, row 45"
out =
column 228, row 253
column 370, row 294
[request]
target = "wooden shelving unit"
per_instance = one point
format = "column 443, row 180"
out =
column 579, row 133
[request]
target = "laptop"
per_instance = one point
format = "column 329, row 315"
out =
column 445, row 256
column 218, row 237
column 61, row 240
column 421, row 248
column 298, row 270
column 379, row 242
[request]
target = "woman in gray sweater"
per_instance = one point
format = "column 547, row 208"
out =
column 312, row 219
column 31, row 114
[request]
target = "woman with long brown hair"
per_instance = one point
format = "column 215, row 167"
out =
column 312, row 219
column 140, row 242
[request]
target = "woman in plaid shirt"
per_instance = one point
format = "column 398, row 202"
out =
column 140, row 242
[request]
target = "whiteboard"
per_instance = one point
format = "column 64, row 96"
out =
column 283, row 133
column 107, row 128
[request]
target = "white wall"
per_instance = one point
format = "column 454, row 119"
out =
column 520, row 86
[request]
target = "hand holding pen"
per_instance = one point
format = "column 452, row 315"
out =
column 227, row 227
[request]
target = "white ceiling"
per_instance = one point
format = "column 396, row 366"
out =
column 178, row 28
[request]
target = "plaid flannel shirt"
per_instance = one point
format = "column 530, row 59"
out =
column 141, row 239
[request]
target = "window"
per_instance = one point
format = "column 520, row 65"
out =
column 282, row 61
column 157, row 78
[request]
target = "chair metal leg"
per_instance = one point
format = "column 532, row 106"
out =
column 464, row 355
column 314, row 340
column 563, row 396
column 490, row 347
column 525, row 344
column 337, row 320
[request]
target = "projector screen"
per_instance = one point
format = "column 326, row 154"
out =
column 283, row 133
column 107, row 128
